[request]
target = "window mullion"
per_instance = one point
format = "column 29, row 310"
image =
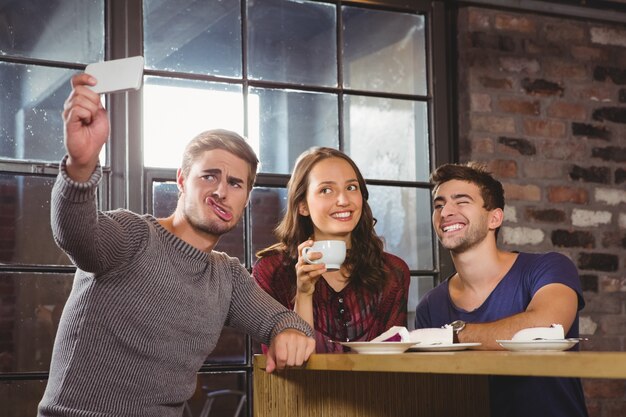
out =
column 124, row 39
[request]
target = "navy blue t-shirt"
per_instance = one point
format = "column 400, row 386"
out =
column 513, row 396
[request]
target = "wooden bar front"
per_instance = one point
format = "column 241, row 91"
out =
column 411, row 384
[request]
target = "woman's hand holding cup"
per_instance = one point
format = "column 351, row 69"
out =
column 308, row 273
column 333, row 253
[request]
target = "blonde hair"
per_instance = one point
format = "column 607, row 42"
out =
column 220, row 139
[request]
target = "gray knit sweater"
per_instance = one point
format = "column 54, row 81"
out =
column 145, row 310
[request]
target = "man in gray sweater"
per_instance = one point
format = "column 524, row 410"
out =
column 150, row 296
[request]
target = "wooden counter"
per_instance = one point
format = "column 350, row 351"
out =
column 412, row 384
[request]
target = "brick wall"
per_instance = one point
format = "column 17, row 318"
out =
column 542, row 100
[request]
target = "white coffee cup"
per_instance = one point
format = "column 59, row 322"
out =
column 333, row 253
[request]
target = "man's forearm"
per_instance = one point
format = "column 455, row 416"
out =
column 503, row 329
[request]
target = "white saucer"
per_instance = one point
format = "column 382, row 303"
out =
column 378, row 348
column 442, row 347
column 549, row 345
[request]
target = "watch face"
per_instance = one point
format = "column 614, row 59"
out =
column 457, row 325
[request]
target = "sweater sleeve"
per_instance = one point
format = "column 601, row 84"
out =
column 256, row 312
column 95, row 241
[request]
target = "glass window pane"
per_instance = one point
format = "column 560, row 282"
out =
column 31, row 126
column 29, row 318
column 201, row 37
column 232, row 242
column 402, row 214
column 387, row 138
column 164, row 199
column 403, row 220
column 233, row 390
column 292, row 41
column 21, row 398
column 267, row 206
column 383, row 51
column 175, row 111
column 68, row 30
column 25, row 214
column 419, row 286
column 289, row 122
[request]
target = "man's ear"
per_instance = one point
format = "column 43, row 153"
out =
column 180, row 180
column 496, row 218
column 303, row 209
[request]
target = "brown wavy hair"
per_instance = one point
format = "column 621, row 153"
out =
column 364, row 260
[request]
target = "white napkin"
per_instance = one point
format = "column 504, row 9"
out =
column 431, row 336
column 551, row 333
column 396, row 333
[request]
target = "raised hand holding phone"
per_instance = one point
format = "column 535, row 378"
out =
column 117, row 75
column 86, row 127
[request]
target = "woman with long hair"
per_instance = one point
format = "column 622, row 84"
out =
column 327, row 200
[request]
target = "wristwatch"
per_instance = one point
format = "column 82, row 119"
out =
column 457, row 327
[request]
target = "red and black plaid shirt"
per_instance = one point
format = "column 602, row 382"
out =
column 352, row 314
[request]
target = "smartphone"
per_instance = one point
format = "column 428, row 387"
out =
column 117, row 75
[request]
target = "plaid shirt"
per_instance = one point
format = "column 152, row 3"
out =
column 352, row 314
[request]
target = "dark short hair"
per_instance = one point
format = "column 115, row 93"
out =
column 220, row 139
column 491, row 189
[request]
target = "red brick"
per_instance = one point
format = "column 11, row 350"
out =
column 515, row 23
column 612, row 284
column 503, row 168
column 515, row 146
column 565, row 194
column 559, row 149
column 519, row 106
column 564, row 33
column 594, row 407
column 604, row 388
column 521, row 192
column 478, row 20
column 541, row 87
column 545, row 128
column 568, row 111
column 482, row 145
column 613, row 238
column 565, row 70
column 595, row 94
column 588, row 53
column 497, row 83
column 615, row 408
column 521, row 65
column 603, row 304
column 613, row 324
column 535, row 48
column 599, row 343
column 541, row 169
column 492, row 124
column 549, row 215
column 480, row 102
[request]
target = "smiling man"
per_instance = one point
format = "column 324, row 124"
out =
column 496, row 293
column 150, row 296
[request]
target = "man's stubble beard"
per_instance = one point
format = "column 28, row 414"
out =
column 205, row 225
column 473, row 238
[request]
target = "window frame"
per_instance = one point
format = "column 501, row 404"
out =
column 123, row 168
